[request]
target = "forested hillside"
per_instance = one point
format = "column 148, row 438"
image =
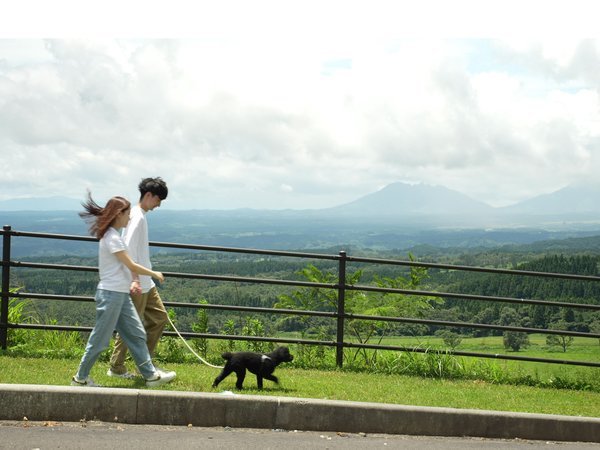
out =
column 528, row 287
column 265, row 295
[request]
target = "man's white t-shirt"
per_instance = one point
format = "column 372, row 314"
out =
column 135, row 236
column 114, row 275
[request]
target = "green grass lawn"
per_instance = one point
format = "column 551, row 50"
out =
column 330, row 384
column 581, row 349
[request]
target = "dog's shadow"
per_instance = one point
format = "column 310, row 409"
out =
column 253, row 391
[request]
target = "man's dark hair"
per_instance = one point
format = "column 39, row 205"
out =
column 156, row 186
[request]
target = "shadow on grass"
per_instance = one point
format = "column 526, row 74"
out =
column 254, row 391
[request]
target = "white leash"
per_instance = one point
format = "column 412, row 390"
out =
column 190, row 348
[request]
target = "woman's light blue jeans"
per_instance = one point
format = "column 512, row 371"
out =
column 115, row 311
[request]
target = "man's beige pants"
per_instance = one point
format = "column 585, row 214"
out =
column 153, row 315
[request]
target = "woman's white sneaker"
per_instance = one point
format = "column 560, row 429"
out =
column 126, row 375
column 160, row 377
column 88, row 382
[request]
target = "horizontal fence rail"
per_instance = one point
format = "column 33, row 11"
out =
column 341, row 288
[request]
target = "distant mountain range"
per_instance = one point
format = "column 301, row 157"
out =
column 409, row 204
column 427, row 204
column 580, row 199
column 402, row 198
column 400, row 216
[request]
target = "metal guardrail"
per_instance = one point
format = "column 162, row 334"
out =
column 341, row 287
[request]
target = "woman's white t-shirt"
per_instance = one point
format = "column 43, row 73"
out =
column 114, row 275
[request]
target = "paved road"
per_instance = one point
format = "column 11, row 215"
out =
column 17, row 435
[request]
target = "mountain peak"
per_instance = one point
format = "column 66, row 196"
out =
column 401, row 199
column 573, row 199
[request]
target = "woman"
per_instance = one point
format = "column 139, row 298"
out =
column 114, row 308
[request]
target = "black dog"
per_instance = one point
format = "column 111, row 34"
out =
column 259, row 364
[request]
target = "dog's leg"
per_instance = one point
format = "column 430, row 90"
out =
column 241, row 374
column 272, row 378
column 259, row 381
column 224, row 373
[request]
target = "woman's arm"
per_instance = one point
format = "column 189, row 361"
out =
column 124, row 257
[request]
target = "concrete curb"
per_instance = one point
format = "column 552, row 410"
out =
column 72, row 404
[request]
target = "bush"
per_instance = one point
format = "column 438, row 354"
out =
column 450, row 338
column 515, row 340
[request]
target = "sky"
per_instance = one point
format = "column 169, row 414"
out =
column 296, row 105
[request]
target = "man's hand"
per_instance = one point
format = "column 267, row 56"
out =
column 135, row 288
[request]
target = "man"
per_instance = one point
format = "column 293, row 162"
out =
column 143, row 291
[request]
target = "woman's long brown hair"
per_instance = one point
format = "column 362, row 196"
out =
column 99, row 218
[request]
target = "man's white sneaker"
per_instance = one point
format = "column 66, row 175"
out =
column 160, row 377
column 126, row 375
column 88, row 382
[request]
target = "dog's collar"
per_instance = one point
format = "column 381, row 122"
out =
column 264, row 357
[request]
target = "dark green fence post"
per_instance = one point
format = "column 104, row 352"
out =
column 5, row 284
column 341, row 310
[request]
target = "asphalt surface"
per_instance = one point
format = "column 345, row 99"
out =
column 47, row 435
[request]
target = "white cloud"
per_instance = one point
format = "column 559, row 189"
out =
column 297, row 120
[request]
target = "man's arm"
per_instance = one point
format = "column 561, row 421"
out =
column 131, row 236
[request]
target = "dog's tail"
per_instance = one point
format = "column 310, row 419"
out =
column 226, row 355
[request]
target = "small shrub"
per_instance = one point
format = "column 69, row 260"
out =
column 201, row 326
column 515, row 340
column 450, row 338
